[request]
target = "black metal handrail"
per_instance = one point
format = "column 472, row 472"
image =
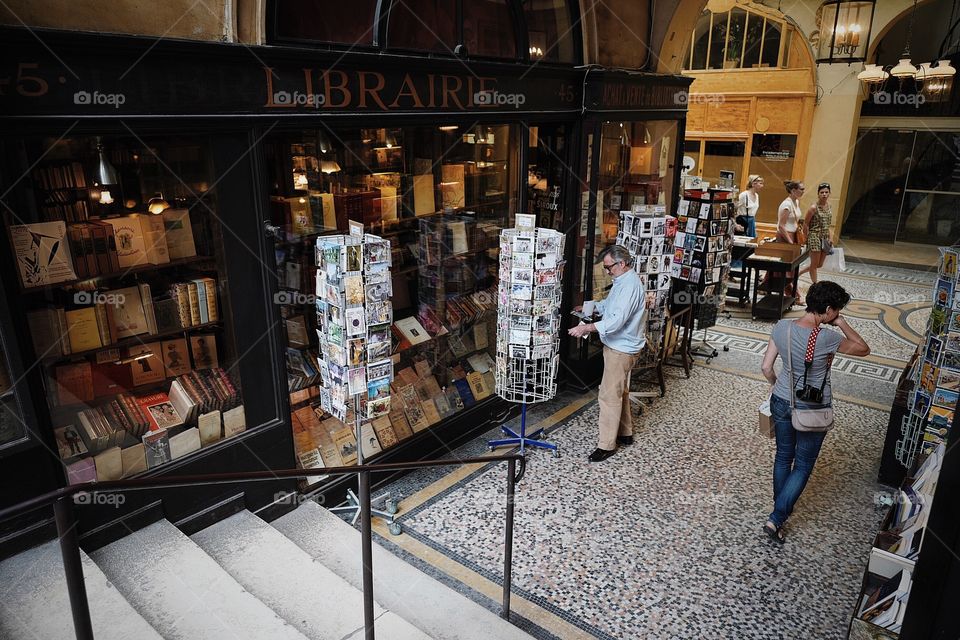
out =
column 63, row 508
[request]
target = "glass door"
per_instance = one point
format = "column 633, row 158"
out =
column 931, row 207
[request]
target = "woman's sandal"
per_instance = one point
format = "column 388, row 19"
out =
column 773, row 532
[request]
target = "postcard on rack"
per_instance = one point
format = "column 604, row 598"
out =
column 526, row 221
column 356, row 321
column 523, row 244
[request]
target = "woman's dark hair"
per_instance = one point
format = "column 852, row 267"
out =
column 825, row 294
column 790, row 185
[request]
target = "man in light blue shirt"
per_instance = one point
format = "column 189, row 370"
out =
column 622, row 332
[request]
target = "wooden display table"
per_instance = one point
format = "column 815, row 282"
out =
column 775, row 303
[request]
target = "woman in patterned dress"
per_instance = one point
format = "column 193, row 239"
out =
column 818, row 219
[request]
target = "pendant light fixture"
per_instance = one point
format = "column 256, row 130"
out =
column 105, row 173
column 845, row 30
column 157, row 204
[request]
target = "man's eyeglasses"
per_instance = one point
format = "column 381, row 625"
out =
column 608, row 267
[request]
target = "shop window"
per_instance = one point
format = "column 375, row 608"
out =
column 550, row 32
column 772, row 157
column 325, row 21
column 120, row 267
column 440, row 195
column 423, row 25
column 488, row 29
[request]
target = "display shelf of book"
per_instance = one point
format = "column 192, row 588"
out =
column 133, row 341
column 122, row 273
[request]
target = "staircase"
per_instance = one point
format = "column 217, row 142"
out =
column 296, row 578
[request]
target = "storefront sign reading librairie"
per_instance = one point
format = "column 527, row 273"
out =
column 204, row 79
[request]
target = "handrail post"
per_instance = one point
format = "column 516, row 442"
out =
column 366, row 540
column 508, row 539
column 73, row 567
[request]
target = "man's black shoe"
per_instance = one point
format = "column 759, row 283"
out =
column 600, row 455
column 624, row 439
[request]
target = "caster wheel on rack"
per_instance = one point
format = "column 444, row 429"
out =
column 556, row 453
column 395, row 529
column 391, row 506
column 725, row 348
column 491, row 448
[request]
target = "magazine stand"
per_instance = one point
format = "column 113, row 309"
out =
column 528, row 324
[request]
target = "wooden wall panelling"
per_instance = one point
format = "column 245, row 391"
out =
column 785, row 115
column 729, row 116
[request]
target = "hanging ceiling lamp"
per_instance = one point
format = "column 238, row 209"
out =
column 105, row 173
column 845, row 30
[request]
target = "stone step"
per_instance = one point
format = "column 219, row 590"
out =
column 182, row 592
column 311, row 597
column 35, row 602
column 433, row 607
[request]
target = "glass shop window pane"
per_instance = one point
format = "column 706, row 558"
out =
column 349, row 23
column 488, row 29
column 549, row 31
column 751, row 57
column 122, row 279
column 423, row 25
column 717, row 40
column 440, row 195
column 771, row 45
column 738, row 23
column 701, row 36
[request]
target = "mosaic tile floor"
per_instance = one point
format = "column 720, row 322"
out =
column 663, row 539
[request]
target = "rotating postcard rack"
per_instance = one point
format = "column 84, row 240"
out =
column 354, row 314
column 702, row 256
column 647, row 233
column 528, row 323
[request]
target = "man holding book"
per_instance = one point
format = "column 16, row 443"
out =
column 622, row 333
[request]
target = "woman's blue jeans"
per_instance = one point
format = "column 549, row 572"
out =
column 797, row 452
column 751, row 228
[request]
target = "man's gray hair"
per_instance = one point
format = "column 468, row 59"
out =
column 618, row 253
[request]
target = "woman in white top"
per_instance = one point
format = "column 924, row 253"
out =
column 789, row 220
column 789, row 215
column 747, row 204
